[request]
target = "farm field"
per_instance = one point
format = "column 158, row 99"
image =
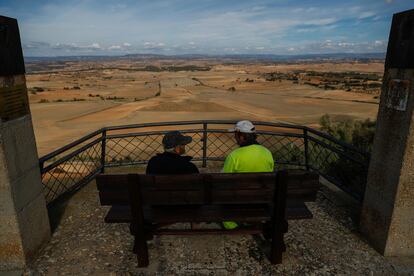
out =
column 76, row 98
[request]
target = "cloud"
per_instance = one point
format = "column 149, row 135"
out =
column 35, row 45
column 94, row 46
column 379, row 43
column 65, row 46
column 330, row 46
column 121, row 47
column 115, row 47
column 74, row 46
column 44, row 48
column 366, row 14
column 154, row 45
column 181, row 26
column 320, row 22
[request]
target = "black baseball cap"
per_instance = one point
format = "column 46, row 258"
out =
column 175, row 138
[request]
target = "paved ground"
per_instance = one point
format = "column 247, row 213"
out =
column 82, row 244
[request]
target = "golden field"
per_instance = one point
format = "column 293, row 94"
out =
column 72, row 100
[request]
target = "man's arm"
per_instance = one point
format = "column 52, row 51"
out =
column 150, row 167
column 229, row 165
column 193, row 168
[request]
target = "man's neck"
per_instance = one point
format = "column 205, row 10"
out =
column 171, row 152
column 245, row 144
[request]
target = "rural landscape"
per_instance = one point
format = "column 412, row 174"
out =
column 71, row 97
column 180, row 137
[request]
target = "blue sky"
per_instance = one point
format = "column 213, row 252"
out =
column 92, row 27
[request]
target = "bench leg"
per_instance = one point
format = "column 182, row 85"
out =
column 277, row 248
column 141, row 249
column 278, row 243
column 138, row 222
column 279, row 222
column 148, row 231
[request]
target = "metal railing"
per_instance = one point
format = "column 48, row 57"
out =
column 293, row 146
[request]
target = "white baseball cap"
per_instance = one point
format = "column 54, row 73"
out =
column 244, row 126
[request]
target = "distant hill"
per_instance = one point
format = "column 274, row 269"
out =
column 236, row 57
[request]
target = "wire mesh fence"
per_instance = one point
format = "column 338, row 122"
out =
column 70, row 167
column 71, row 171
column 345, row 166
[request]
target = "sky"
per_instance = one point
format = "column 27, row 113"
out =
column 118, row 27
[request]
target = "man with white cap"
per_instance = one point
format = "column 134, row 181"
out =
column 249, row 157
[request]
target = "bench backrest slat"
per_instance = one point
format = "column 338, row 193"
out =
column 172, row 190
column 242, row 188
column 113, row 189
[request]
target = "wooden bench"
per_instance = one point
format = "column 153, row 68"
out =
column 150, row 202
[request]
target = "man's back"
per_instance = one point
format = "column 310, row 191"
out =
column 170, row 163
column 252, row 158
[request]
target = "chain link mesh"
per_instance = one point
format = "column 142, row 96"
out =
column 139, row 149
column 338, row 167
column 66, row 176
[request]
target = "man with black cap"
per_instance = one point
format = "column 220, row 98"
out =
column 172, row 161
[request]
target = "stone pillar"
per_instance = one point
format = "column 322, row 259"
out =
column 24, row 222
column 387, row 218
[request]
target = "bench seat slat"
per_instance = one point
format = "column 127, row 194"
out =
column 248, row 231
column 122, row 214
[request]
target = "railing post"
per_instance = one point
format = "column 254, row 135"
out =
column 103, row 151
column 305, row 138
column 41, row 166
column 204, row 145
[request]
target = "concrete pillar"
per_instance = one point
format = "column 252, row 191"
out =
column 24, row 222
column 387, row 218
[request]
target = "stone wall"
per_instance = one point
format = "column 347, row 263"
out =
column 24, row 223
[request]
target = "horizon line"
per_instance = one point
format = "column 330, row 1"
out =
column 211, row 55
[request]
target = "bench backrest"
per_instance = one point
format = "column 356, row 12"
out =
column 189, row 189
column 206, row 189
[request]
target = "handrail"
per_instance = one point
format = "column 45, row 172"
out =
column 350, row 157
column 195, row 122
column 335, row 140
column 72, row 154
column 69, row 146
column 123, row 135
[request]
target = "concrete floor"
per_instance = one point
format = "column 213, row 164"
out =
column 82, row 244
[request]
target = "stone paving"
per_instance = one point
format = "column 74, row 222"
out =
column 328, row 244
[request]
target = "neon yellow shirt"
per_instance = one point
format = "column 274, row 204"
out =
column 253, row 158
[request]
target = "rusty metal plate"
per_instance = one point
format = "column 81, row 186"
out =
column 397, row 94
column 14, row 102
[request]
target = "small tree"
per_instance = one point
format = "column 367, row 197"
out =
column 358, row 133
